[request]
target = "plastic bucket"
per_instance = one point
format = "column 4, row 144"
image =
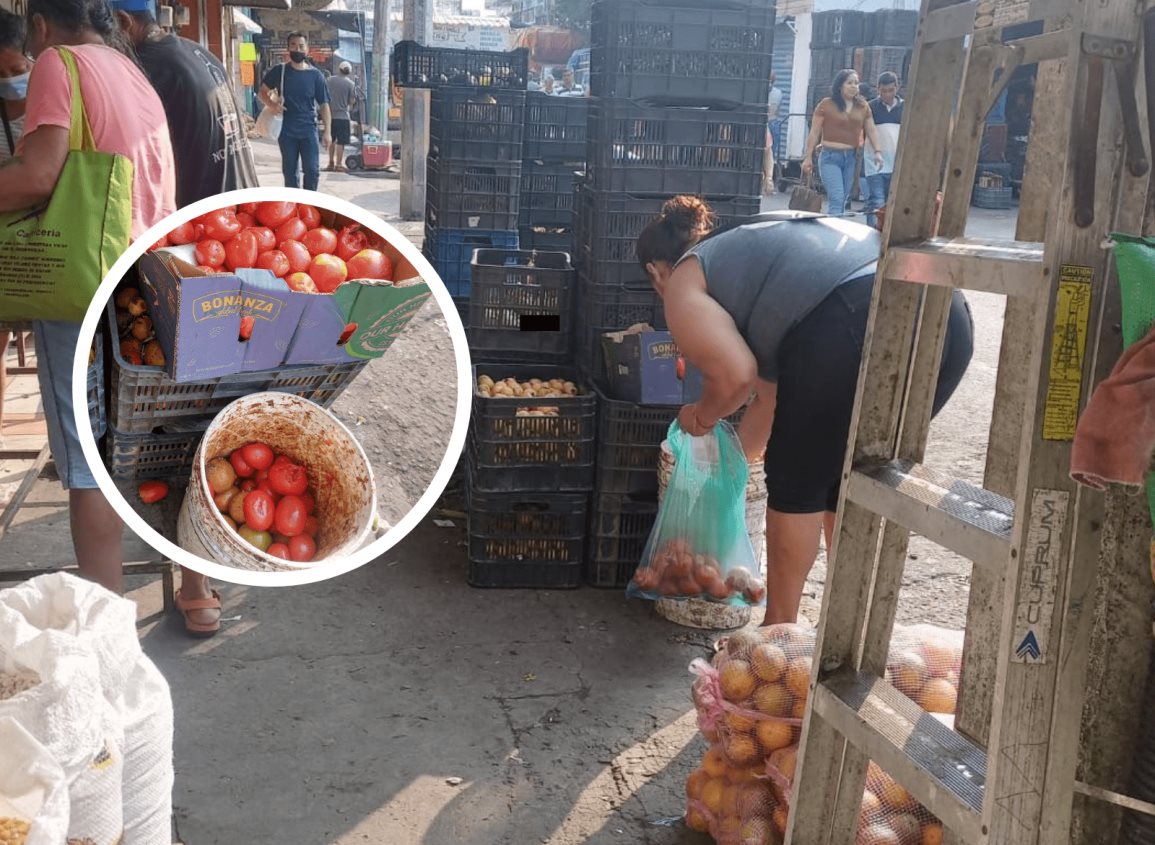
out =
column 698, row 613
column 338, row 470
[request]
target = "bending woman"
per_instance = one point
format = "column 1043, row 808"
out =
column 778, row 310
column 839, row 123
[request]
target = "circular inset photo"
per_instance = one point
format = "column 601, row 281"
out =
column 272, row 387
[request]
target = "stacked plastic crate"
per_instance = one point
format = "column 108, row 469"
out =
column 555, row 152
column 679, row 107
column 834, row 37
column 476, row 126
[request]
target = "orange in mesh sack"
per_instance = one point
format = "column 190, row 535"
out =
column 924, row 665
column 752, row 699
column 734, row 804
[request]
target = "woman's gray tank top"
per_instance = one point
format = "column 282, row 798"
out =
column 769, row 276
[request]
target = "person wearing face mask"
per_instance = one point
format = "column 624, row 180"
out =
column 108, row 80
column 297, row 91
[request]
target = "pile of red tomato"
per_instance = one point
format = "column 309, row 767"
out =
column 266, row 499
column 287, row 239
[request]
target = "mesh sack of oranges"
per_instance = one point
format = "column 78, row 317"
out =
column 924, row 664
column 752, row 698
column 699, row 547
column 888, row 815
column 736, row 805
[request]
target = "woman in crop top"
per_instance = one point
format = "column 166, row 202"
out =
column 840, row 121
column 778, row 309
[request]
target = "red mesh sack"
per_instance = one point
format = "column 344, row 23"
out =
column 735, row 805
column 924, row 665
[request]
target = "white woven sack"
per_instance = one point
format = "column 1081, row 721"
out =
column 148, row 765
column 33, row 788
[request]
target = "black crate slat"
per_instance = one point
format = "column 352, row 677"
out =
column 533, row 541
column 511, row 287
column 608, row 308
column 549, row 193
column 620, row 527
column 555, row 127
column 841, row 27
column 477, row 124
column 418, row 66
column 464, row 194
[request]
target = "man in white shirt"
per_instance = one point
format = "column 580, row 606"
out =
column 775, row 106
column 886, row 109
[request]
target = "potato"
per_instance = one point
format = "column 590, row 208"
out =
column 153, row 355
column 126, row 296
column 137, row 307
column 141, row 327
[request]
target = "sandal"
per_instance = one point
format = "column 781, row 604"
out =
column 330, row 169
column 342, row 169
column 199, row 629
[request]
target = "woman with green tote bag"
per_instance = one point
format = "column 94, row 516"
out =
column 77, row 75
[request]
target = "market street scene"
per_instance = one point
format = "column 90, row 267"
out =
column 806, row 492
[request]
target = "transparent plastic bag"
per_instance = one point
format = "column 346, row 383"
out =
column 700, row 546
column 735, row 805
column 751, row 699
column 924, row 665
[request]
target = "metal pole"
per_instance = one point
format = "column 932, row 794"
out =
column 379, row 108
column 418, row 26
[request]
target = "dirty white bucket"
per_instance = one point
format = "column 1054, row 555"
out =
column 699, row 613
column 339, row 474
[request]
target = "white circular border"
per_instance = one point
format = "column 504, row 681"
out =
column 398, row 532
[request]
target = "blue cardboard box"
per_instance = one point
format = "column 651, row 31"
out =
column 642, row 367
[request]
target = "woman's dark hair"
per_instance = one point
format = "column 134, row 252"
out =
column 836, row 88
column 684, row 221
column 77, row 16
column 13, row 31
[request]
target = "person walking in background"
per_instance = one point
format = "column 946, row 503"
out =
column 886, row 111
column 840, row 121
column 342, row 99
column 300, row 93
column 775, row 106
column 211, row 148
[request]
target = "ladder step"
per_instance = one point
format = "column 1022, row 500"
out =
column 957, row 515
column 942, row 769
column 1011, row 268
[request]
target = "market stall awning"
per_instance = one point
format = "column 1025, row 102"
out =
column 351, row 21
column 245, row 24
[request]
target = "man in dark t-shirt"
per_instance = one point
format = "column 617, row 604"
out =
column 210, row 146
column 297, row 91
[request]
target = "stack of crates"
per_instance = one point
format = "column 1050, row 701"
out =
column 679, row 107
column 868, row 43
column 529, row 473
column 555, row 151
column 476, row 126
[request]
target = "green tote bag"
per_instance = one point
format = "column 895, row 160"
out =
column 53, row 258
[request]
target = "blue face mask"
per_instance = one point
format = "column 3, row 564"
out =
column 14, row 87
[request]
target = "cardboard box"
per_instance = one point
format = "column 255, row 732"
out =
column 642, row 367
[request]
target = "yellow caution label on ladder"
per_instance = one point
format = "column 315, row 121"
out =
column 1068, row 345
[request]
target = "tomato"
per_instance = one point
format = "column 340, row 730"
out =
column 247, row 220
column 258, row 456
column 240, row 465
column 259, row 510
column 248, row 485
column 152, row 491
column 282, row 459
column 261, row 475
column 248, row 208
column 310, row 215
column 288, row 479
column 221, row 224
column 310, row 503
column 370, row 264
column 266, row 487
column 275, row 261
column 290, row 516
column 311, row 526
column 302, row 549
column 292, row 229
column 205, row 268
column 273, row 214
column 241, row 251
column 320, row 241
column 261, row 539
column 298, row 256
column 246, row 332
column 328, row 271
column 351, row 241
column 301, row 283
column 346, row 333
column 163, row 242
column 280, row 550
column 210, row 252
column 185, row 233
column 266, row 239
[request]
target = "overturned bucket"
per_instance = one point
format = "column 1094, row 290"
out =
column 699, row 613
column 337, row 467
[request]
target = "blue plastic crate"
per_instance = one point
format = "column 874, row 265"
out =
column 450, row 251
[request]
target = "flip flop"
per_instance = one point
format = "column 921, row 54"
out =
column 198, row 629
column 330, row 169
column 342, row 169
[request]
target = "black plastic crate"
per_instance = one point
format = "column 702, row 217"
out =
column 641, row 148
column 870, row 62
column 450, row 251
column 521, row 305
column 620, row 527
column 608, row 308
column 842, row 27
column 555, row 127
column 891, row 28
column 825, row 62
column 473, row 194
column 549, row 193
column 629, row 442
column 477, row 124
column 417, row 66
column 511, row 451
column 536, row 541
column 721, row 53
column 995, row 198
column 549, row 239
column 611, row 222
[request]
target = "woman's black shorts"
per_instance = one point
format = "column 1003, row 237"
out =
column 817, row 379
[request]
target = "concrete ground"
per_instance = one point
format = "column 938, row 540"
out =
column 397, row 705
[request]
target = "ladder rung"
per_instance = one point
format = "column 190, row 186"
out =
column 957, row 515
column 942, row 769
column 1011, row 268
